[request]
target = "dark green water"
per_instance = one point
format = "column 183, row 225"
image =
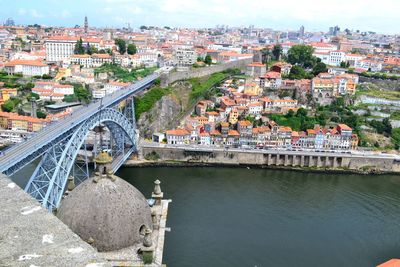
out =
column 241, row 217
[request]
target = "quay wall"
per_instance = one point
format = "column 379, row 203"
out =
column 168, row 78
column 275, row 158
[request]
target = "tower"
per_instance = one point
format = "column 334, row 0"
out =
column 86, row 25
column 33, row 107
column 301, row 32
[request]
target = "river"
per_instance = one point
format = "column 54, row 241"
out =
column 260, row 217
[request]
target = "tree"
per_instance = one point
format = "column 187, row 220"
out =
column 302, row 55
column 8, row 106
column 131, row 49
column 89, row 49
column 143, row 27
column 265, row 54
column 343, row 64
column 301, row 112
column 277, row 51
column 208, row 60
column 70, row 98
column 121, row 45
column 41, row 115
column 82, row 93
column 290, row 114
column 79, row 49
column 319, row 68
column 297, row 73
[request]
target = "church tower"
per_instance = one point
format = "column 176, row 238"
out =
column 86, row 25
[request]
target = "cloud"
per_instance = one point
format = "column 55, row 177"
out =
column 34, row 13
column 22, row 11
column 313, row 14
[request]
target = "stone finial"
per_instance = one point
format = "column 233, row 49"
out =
column 157, row 194
column 71, row 183
column 147, row 240
column 157, row 188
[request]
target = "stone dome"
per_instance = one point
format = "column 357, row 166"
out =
column 108, row 213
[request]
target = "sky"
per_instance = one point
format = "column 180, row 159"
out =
column 365, row 15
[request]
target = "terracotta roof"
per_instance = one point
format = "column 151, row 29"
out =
column 233, row 133
column 178, row 132
column 244, row 123
column 215, row 132
column 25, row 62
column 343, row 126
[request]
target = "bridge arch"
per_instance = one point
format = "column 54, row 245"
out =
column 47, row 184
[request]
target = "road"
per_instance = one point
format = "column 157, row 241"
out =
column 350, row 154
column 18, row 152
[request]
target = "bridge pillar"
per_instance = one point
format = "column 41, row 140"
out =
column 269, row 159
column 327, row 161
column 319, row 164
column 285, row 163
column 294, row 160
column 310, row 161
column 334, row 162
column 164, row 80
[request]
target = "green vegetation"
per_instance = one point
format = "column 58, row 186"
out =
column 121, row 45
column 124, row 74
column 79, row 49
column 297, row 73
column 208, row 60
column 376, row 92
column 147, row 101
column 395, row 115
column 200, row 87
column 81, row 93
column 319, row 68
column 302, row 55
column 298, row 121
column 382, row 127
column 147, row 257
column 377, row 75
column 396, row 138
column 11, row 104
column 41, row 115
column 152, row 156
column 131, row 49
column 277, row 51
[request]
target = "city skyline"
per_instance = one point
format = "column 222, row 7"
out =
column 315, row 16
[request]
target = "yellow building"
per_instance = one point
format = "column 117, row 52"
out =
column 233, row 116
column 13, row 121
column 252, row 89
column 7, row 93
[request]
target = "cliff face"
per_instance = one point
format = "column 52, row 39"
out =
column 167, row 112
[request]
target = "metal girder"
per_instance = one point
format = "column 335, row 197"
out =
column 48, row 182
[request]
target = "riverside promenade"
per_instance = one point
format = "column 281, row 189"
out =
column 361, row 161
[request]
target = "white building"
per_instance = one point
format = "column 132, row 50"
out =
column 91, row 61
column 185, row 57
column 109, row 88
column 336, row 57
column 26, row 67
column 60, row 48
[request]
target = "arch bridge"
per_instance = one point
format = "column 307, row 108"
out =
column 59, row 144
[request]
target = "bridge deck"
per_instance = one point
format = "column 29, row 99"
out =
column 23, row 150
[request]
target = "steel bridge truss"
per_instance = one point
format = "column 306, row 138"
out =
column 48, row 182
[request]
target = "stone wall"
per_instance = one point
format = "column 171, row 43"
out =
column 168, row 78
column 275, row 158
